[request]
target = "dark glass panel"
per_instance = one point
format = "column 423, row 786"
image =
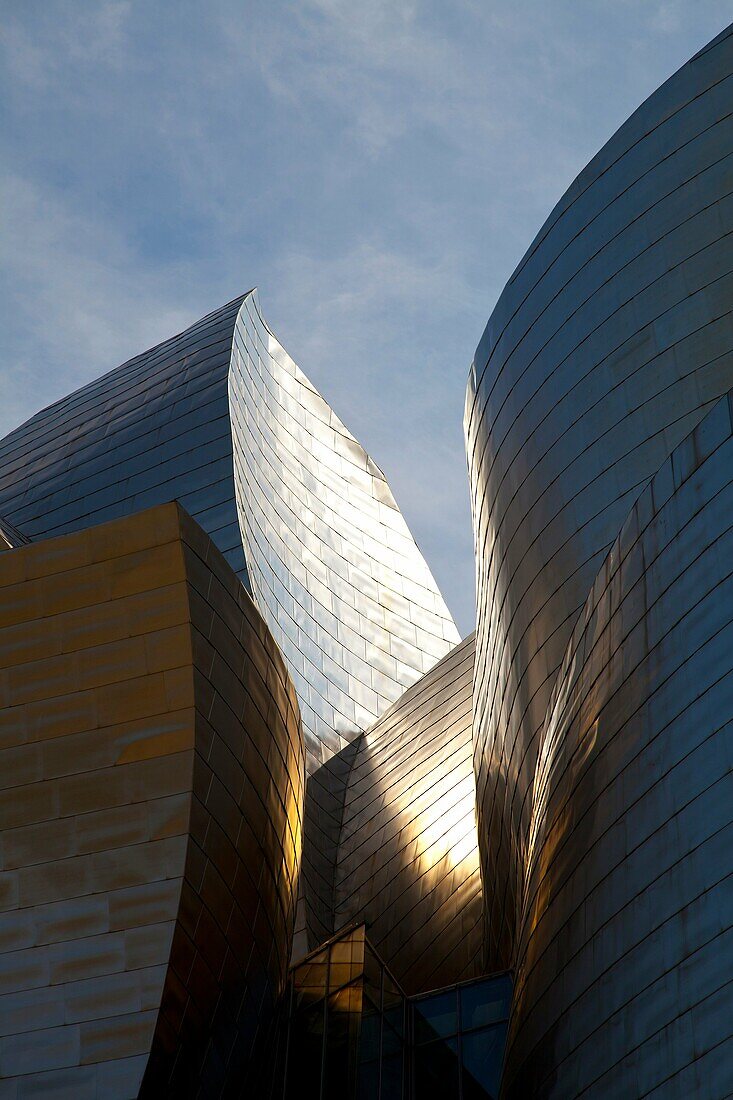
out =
column 436, row 1071
column 481, row 1055
column 392, row 1077
column 304, row 1055
column 436, row 1016
column 485, row 1002
column 367, row 1081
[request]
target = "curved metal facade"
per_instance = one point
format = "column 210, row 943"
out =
column 153, row 430
column 333, row 567
column 390, row 835
column 407, row 861
column 626, row 949
column 152, row 767
column 335, row 571
column 610, row 342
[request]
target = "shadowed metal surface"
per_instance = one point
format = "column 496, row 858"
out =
column 391, row 834
column 611, row 340
column 152, row 771
column 625, row 975
column 334, row 570
column 152, row 430
column 10, row 536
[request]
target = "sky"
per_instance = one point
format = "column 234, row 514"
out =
column 376, row 167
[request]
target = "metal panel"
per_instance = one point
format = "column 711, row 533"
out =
column 10, row 536
column 610, row 342
column 152, row 430
column 334, row 570
column 626, row 943
column 152, row 771
column 339, row 579
column 390, row 834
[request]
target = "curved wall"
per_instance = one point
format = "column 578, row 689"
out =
column 407, row 860
column 337, row 575
column 152, row 430
column 152, row 772
column 623, row 984
column 611, row 340
column 333, row 567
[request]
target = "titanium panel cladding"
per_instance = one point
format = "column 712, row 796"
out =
column 612, row 339
column 408, row 861
column 152, row 771
column 153, row 430
column 338, row 577
column 333, row 567
column 626, row 948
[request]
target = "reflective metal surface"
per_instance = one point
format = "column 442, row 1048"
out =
column 151, row 775
column 626, row 943
column 334, row 570
column 153, row 430
column 610, row 342
column 407, row 860
column 10, row 536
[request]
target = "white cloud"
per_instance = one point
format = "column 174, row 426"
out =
column 76, row 286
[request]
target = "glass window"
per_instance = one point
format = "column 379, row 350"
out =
column 305, row 1054
column 392, row 1074
column 436, row 1070
column 481, row 1055
column 393, row 1005
column 485, row 1002
column 436, row 1016
column 369, row 1035
column 367, row 1081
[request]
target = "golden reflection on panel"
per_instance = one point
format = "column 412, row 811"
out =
column 151, row 775
column 391, row 833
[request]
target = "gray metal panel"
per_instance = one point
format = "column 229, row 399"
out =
column 334, row 569
column 611, row 340
column 626, row 943
column 338, row 577
column 152, row 430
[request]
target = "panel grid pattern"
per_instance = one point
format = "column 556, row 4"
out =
column 333, row 567
column 624, row 980
column 408, row 861
column 152, row 772
column 152, row 430
column 610, row 342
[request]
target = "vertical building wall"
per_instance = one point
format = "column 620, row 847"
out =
column 333, row 567
column 151, row 766
column 626, row 949
column 611, row 340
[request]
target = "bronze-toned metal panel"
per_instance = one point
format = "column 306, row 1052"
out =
column 151, row 775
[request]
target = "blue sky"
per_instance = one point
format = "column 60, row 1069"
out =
column 376, row 167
